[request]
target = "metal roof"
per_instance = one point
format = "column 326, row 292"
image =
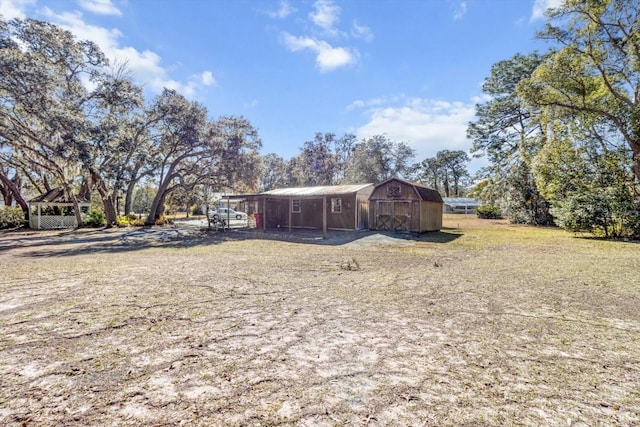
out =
column 461, row 201
column 326, row 190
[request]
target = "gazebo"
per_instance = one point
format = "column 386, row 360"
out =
column 54, row 209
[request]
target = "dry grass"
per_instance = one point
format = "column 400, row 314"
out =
column 481, row 324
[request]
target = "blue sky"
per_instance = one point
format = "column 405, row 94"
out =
column 410, row 69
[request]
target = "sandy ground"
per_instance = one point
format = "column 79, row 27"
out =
column 179, row 327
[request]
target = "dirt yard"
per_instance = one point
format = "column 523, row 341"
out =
column 481, row 324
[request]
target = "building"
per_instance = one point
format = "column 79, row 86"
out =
column 399, row 205
column 54, row 210
column 337, row 207
column 460, row 205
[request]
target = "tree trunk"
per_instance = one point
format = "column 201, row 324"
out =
column 157, row 207
column 69, row 195
column 13, row 189
column 110, row 211
column 128, row 197
column 107, row 200
column 445, row 183
column 636, row 161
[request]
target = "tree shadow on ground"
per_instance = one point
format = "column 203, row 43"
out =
column 51, row 243
column 609, row 239
column 338, row 238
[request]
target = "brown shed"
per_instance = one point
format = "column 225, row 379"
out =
column 399, row 205
column 336, row 207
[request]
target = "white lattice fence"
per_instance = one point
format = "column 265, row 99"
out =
column 53, row 221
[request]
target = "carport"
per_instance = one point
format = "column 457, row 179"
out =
column 337, row 207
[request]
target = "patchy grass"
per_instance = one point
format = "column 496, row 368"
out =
column 483, row 323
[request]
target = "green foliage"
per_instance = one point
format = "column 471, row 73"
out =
column 605, row 214
column 131, row 220
column 273, row 172
column 142, row 199
column 444, row 172
column 595, row 74
column 588, row 186
column 488, row 212
column 11, row 218
column 96, row 218
column 373, row 159
column 509, row 132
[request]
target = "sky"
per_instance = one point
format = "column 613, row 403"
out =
column 410, row 69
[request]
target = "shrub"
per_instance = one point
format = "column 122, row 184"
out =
column 163, row 220
column 488, row 212
column 197, row 210
column 96, row 218
column 130, row 219
column 11, row 218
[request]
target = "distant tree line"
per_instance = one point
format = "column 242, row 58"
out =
column 561, row 130
column 329, row 160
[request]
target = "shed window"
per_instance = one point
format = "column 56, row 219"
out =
column 295, row 205
column 336, row 205
column 393, row 190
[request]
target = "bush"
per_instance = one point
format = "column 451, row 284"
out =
column 11, row 218
column 96, row 218
column 163, row 220
column 611, row 214
column 488, row 212
column 131, row 219
column 197, row 210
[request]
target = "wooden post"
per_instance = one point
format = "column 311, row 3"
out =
column 324, row 217
column 290, row 212
column 264, row 213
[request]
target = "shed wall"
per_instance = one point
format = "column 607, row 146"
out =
column 310, row 215
column 431, row 218
column 397, row 206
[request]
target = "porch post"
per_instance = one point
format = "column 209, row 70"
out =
column 264, row 213
column 324, row 217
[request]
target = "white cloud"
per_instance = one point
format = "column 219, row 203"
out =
column 10, row 9
column 285, row 10
column 361, row 32
column 146, row 66
column 326, row 15
column 460, row 11
column 100, row 7
column 374, row 102
column 328, row 58
column 541, row 6
column 207, row 78
column 428, row 126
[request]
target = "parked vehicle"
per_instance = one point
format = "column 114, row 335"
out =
column 224, row 213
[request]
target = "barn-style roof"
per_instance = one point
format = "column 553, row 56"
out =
column 427, row 194
column 327, row 190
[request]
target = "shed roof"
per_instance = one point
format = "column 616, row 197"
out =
column 327, row 190
column 425, row 193
column 56, row 195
